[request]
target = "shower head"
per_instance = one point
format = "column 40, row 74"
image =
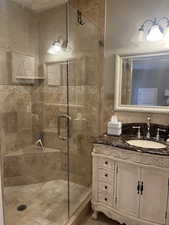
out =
column 79, row 18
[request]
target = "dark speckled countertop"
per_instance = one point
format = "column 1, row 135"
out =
column 120, row 141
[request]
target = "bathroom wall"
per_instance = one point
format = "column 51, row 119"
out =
column 22, row 104
column 94, row 10
column 30, row 110
column 18, row 33
column 121, row 37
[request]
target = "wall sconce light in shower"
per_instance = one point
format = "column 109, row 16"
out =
column 57, row 46
column 154, row 30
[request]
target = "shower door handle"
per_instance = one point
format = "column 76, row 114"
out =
column 59, row 119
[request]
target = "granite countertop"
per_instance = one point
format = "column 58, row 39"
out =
column 120, row 142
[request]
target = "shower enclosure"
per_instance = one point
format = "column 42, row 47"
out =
column 49, row 109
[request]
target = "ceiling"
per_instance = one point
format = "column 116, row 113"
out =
column 40, row 5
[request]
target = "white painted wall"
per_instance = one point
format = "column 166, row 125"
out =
column 123, row 19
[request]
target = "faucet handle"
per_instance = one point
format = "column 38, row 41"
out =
column 139, row 133
column 148, row 117
column 158, row 133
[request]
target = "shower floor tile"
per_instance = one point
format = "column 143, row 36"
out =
column 46, row 202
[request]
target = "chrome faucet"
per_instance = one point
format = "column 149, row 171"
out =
column 138, row 133
column 40, row 143
column 158, row 133
column 148, row 127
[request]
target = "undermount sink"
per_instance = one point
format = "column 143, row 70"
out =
column 146, row 144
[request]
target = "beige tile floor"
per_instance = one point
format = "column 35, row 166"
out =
column 102, row 220
column 46, row 203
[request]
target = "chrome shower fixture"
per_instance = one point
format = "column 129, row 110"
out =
column 79, row 18
column 154, row 30
column 39, row 142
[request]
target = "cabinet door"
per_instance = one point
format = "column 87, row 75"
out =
column 127, row 200
column 153, row 201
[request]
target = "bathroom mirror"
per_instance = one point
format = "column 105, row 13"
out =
column 142, row 82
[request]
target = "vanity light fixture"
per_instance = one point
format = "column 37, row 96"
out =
column 154, row 30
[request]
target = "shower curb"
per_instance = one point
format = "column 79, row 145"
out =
column 82, row 212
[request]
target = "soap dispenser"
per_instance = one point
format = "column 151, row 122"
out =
column 114, row 126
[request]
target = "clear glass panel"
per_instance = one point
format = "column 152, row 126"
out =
column 83, row 103
column 46, row 175
column 33, row 89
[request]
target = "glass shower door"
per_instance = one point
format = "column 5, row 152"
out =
column 34, row 109
column 83, row 79
column 49, row 110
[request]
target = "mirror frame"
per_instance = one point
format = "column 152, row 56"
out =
column 118, row 83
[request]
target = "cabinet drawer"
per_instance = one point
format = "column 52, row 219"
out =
column 105, row 176
column 105, row 198
column 106, row 163
column 105, row 187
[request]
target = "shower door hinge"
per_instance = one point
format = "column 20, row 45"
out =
column 166, row 215
column 117, row 169
column 116, row 200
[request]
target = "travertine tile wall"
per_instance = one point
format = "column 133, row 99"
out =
column 18, row 33
column 94, row 10
column 18, row 28
column 31, row 110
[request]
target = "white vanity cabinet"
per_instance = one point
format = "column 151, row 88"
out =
column 130, row 187
column 104, row 187
column 154, row 199
column 127, row 198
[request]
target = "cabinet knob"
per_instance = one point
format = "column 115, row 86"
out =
column 105, row 199
column 106, row 162
column 105, row 187
column 106, row 175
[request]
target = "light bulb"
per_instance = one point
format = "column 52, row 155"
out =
column 141, row 36
column 54, row 48
column 155, row 34
column 166, row 34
